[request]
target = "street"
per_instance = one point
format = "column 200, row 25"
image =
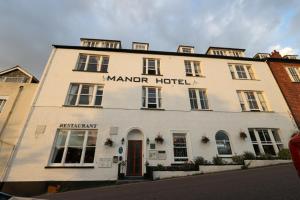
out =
column 275, row 182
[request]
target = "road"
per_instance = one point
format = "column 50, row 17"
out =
column 268, row 183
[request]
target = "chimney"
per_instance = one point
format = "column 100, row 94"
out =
column 275, row 54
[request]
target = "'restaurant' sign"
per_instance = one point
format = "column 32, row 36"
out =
column 137, row 79
column 78, row 126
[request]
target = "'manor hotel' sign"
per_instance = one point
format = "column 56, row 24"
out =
column 137, row 79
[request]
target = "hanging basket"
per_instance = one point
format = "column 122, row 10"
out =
column 109, row 142
column 204, row 139
column 159, row 139
column 243, row 135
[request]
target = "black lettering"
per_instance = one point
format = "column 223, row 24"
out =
column 136, row 79
column 144, row 80
column 159, row 80
column 186, row 83
column 167, row 81
column 180, row 82
column 84, row 126
column 111, row 78
column 128, row 79
column 120, row 79
column 174, row 80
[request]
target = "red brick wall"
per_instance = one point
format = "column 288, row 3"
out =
column 289, row 89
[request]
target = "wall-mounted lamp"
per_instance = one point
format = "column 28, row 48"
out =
column 123, row 140
column 147, row 141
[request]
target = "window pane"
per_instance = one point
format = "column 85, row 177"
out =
column 256, row 149
column 193, row 99
column 71, row 99
column 93, row 64
column 81, row 62
column 203, row 99
column 269, row 149
column 197, row 68
column 59, row 146
column 89, row 155
column 86, row 94
column 252, row 136
column 188, row 68
column 252, row 101
column 240, row 70
column 104, row 65
column 92, row 137
column 75, row 146
column 76, row 138
column 223, row 143
column 276, row 135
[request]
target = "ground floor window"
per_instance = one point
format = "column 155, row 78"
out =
column 223, row 143
column 74, row 147
column 180, row 147
column 265, row 141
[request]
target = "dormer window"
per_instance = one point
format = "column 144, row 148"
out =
column 140, row 46
column 223, row 51
column 151, row 66
column 290, row 56
column 219, row 53
column 185, row 49
column 90, row 43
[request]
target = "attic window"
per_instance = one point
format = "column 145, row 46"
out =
column 13, row 79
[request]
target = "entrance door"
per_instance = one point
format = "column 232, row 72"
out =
column 134, row 158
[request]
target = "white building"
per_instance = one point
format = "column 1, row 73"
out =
column 99, row 93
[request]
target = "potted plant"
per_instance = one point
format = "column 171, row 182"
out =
column 204, row 139
column 159, row 139
column 108, row 142
column 243, row 135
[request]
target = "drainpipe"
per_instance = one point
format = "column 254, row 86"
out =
column 28, row 117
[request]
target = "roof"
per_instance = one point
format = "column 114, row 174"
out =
column 284, row 60
column 157, row 53
column 17, row 67
column 227, row 48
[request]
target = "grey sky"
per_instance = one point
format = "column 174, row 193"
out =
column 28, row 28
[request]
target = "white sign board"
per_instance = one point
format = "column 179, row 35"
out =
column 104, row 162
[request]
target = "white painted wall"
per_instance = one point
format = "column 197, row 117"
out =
column 121, row 108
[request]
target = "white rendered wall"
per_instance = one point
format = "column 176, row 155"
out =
column 121, row 108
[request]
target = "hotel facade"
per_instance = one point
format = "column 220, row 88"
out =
column 99, row 105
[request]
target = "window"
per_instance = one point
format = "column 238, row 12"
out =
column 192, row 68
column 180, row 148
column 151, row 66
column 241, row 71
column 112, row 45
column 92, row 63
column 223, row 143
column 90, row 43
column 265, row 141
column 74, row 147
column 13, row 79
column 140, row 46
column 219, row 52
column 186, row 50
column 2, row 103
column 198, row 99
column 151, row 97
column 294, row 73
column 84, row 95
column 252, row 101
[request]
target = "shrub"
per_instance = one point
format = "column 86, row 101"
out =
column 238, row 159
column 218, row 160
column 284, row 154
column 160, row 167
column 200, row 161
column 266, row 157
column 249, row 155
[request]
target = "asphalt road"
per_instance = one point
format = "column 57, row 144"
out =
column 268, row 183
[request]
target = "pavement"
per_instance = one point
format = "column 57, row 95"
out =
column 275, row 182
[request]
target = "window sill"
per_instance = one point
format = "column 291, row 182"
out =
column 158, row 109
column 75, row 70
column 225, row 156
column 201, row 110
column 201, row 76
column 258, row 111
column 62, row 166
column 237, row 79
column 152, row 74
column 79, row 106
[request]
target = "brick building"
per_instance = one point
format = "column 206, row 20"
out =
column 286, row 71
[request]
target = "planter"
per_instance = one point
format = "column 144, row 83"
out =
column 171, row 174
column 261, row 163
column 218, row 168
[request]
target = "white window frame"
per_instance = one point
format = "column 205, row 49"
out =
column 100, row 63
column 272, row 141
column 192, row 68
column 90, row 43
column 180, row 134
column 156, row 66
column 248, row 70
column 260, row 98
column 66, row 145
column 140, row 46
column 199, row 98
column 295, row 75
column 93, row 94
column 223, row 143
column 145, row 97
column 3, row 102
